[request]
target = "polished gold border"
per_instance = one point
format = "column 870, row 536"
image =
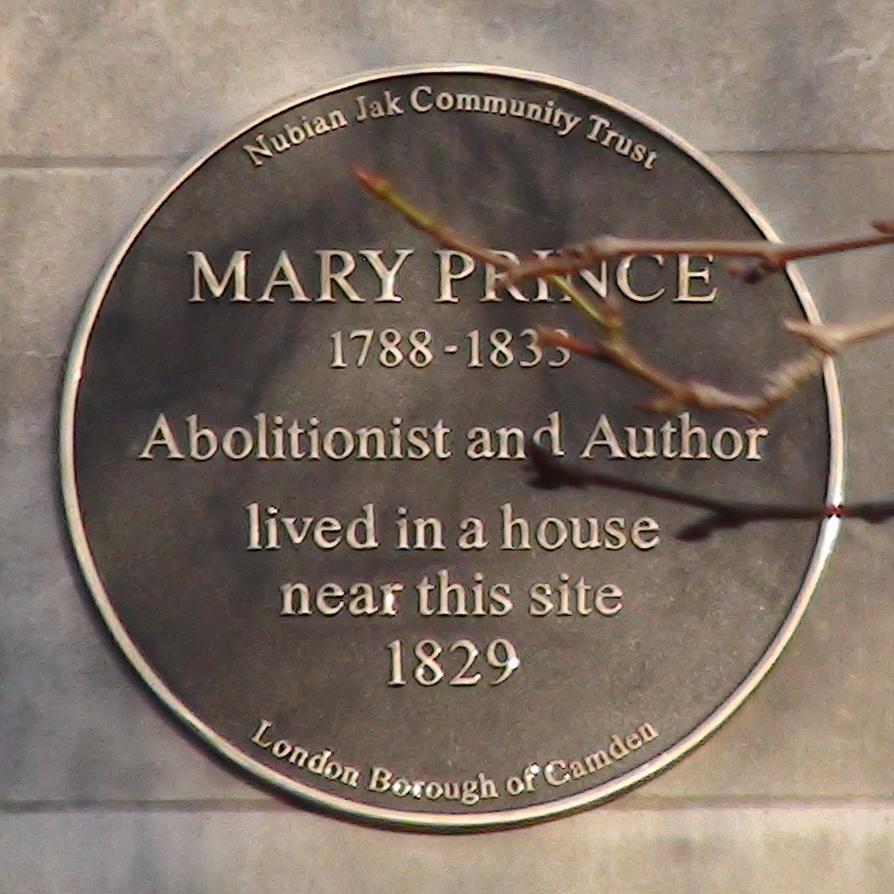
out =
column 399, row 818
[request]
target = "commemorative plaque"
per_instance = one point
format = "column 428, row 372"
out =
column 293, row 441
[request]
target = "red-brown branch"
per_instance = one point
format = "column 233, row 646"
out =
column 614, row 348
column 764, row 256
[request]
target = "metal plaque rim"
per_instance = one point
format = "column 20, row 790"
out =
column 423, row 821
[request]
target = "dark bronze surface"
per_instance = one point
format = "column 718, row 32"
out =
column 313, row 704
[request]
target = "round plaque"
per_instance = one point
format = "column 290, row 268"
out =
column 293, row 455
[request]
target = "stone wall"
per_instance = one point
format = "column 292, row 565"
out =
column 101, row 102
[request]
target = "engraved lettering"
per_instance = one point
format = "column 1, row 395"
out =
column 467, row 791
column 360, row 599
column 559, row 772
column 202, row 272
column 623, row 278
column 283, row 274
column 161, row 436
column 448, row 276
column 580, row 598
column 604, row 134
column 321, row 763
column 551, row 533
column 270, row 437
column 292, row 135
column 683, row 441
column 387, row 105
column 686, row 274
column 385, row 273
column 330, row 277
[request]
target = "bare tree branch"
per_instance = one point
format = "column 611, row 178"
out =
column 766, row 257
column 613, row 347
column 779, row 385
column 678, row 394
column 606, row 316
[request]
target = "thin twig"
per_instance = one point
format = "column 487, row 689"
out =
column 678, row 394
column 607, row 316
column 766, row 257
column 779, row 385
column 551, row 474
